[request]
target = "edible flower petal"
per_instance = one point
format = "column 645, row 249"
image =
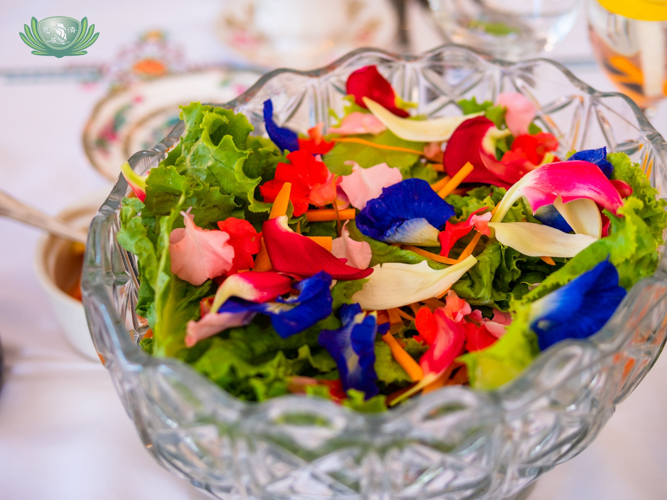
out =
column 578, row 309
column 434, row 130
column 409, row 212
column 454, row 232
column 294, row 254
column 368, row 82
column 495, row 326
column 305, row 172
column 315, row 144
column 520, row 111
column 596, row 156
column 212, row 323
column 284, row 138
column 477, row 337
column 456, row 308
column 292, row 315
column 253, row 286
column 582, row 215
column 365, row 184
column 623, row 188
column 325, row 193
column 394, row 284
column 537, row 240
column 245, row 240
column 570, row 180
column 136, row 182
column 199, row 254
column 353, row 348
column 357, row 253
column 526, row 154
column 359, row 123
column 446, row 346
column 549, row 216
column 426, row 325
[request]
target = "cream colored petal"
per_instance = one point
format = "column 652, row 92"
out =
column 537, row 240
column 583, row 215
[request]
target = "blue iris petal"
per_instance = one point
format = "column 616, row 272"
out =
column 549, row 216
column 580, row 308
column 385, row 217
column 284, row 138
column 353, row 348
column 295, row 314
column 597, row 156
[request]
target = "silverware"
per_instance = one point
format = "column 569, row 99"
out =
column 14, row 209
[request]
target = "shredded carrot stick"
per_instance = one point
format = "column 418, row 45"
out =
column 437, row 186
column 379, row 146
column 262, row 261
column 460, row 191
column 438, row 167
column 402, row 314
column 327, row 214
column 433, row 303
column 148, row 334
column 410, row 366
column 394, row 317
column 441, row 380
column 460, row 377
column 383, row 317
column 281, row 202
column 456, row 180
column 415, row 307
column 467, row 251
column 325, row 242
column 548, row 260
column 430, row 255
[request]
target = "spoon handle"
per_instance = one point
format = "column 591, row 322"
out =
column 14, row 209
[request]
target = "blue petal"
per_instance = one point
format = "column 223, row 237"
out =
column 383, row 217
column 549, row 216
column 580, row 308
column 353, row 348
column 284, row 138
column 597, row 156
column 295, row 314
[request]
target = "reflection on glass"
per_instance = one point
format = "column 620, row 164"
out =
column 509, row 29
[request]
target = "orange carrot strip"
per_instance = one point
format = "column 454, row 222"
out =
column 467, row 251
column 403, row 314
column 415, row 307
column 441, row 380
column 325, row 242
column 548, row 260
column 327, row 214
column 410, row 366
column 430, row 255
column 394, row 317
column 460, row 377
column 443, row 293
column 383, row 317
column 438, row 167
column 437, row 186
column 456, row 180
column 379, row 146
column 281, row 202
column 262, row 261
column 460, row 191
column 433, row 303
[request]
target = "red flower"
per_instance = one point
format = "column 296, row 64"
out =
column 368, row 82
column 245, row 240
column 316, row 145
column 531, row 148
column 477, row 337
column 454, row 232
column 305, row 172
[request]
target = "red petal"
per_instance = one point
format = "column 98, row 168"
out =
column 454, row 232
column 368, row 82
column 448, row 344
column 315, row 145
column 295, row 254
column 426, row 325
column 623, row 188
column 336, row 390
column 477, row 338
column 245, row 240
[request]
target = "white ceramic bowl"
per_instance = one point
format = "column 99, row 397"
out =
column 56, row 266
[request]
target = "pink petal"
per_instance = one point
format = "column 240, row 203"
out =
column 365, row 184
column 495, row 326
column 253, row 286
column 481, row 223
column 359, row 123
column 433, row 151
column 520, row 111
column 199, row 254
column 357, row 253
column 456, row 308
column 212, row 323
column 324, row 194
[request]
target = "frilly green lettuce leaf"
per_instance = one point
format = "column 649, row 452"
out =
column 387, row 368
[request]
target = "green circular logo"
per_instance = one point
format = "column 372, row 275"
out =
column 59, row 36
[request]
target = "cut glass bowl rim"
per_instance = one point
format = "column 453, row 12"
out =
column 606, row 343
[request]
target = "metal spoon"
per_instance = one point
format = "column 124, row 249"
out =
column 14, row 209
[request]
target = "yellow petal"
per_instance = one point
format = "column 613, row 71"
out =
column 537, row 240
column 436, row 130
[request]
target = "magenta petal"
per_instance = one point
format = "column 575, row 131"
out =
column 295, row 254
column 253, row 286
column 213, row 323
column 199, row 254
column 520, row 111
column 359, row 123
column 356, row 253
column 365, row 184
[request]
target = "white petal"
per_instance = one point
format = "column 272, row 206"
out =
column 537, row 240
column 418, row 232
column 395, row 285
column 436, row 130
column 583, row 215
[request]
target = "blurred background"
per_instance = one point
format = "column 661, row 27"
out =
column 67, row 124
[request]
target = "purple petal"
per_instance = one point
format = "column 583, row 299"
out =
column 596, row 156
column 284, row 138
column 549, row 216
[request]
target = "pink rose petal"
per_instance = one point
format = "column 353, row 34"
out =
column 365, row 184
column 520, row 111
column 359, row 123
column 357, row 253
column 199, row 254
column 213, row 323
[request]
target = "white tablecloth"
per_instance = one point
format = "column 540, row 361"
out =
column 63, row 432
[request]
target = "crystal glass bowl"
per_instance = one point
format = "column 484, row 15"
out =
column 454, row 443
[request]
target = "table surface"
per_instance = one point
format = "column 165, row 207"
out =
column 63, row 431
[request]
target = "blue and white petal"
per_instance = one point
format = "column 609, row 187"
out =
column 284, row 138
column 578, row 309
column 410, row 200
column 597, row 156
column 353, row 348
column 549, row 216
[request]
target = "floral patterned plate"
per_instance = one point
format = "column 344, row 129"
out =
column 139, row 115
